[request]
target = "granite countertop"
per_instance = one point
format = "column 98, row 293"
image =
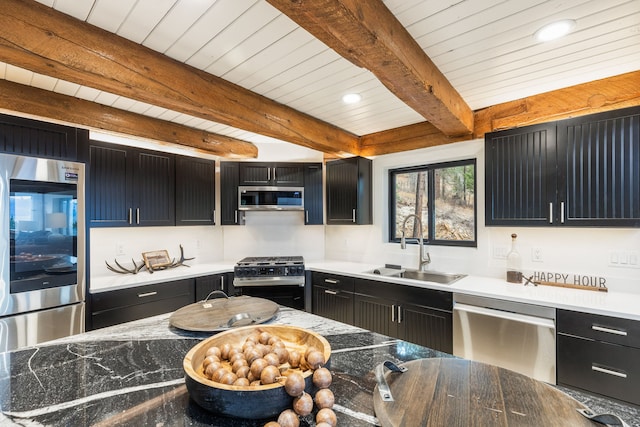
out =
column 132, row 374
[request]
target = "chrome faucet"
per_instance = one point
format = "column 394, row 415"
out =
column 424, row 258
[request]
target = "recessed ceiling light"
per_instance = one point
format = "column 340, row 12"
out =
column 351, row 98
column 555, row 30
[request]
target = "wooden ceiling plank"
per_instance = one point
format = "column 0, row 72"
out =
column 65, row 109
column 369, row 35
column 600, row 95
column 45, row 41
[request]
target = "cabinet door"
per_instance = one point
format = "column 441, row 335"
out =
column 195, row 191
column 521, row 176
column 291, row 175
column 348, row 185
column 154, row 186
column 207, row 284
column 313, row 212
column 255, row 173
column 333, row 304
column 40, row 139
column 229, row 178
column 376, row 314
column 426, row 327
column 601, row 156
column 109, row 186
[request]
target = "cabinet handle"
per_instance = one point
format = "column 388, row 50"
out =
column 235, row 217
column 561, row 212
column 213, row 216
column 393, row 312
column 306, row 216
column 353, row 216
column 268, row 174
column 399, row 314
column 551, row 213
column 130, row 216
column 330, row 292
column 608, row 371
column 147, row 294
column 137, row 215
column 609, row 330
column 332, row 281
column 222, row 283
column 274, row 174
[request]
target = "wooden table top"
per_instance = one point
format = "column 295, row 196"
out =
column 459, row 392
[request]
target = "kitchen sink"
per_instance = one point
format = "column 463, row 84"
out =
column 425, row 276
column 432, row 276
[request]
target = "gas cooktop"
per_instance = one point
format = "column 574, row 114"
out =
column 272, row 260
column 264, row 271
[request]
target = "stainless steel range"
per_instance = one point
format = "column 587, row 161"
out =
column 279, row 278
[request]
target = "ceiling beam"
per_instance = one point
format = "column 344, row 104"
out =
column 412, row 137
column 593, row 97
column 45, row 41
column 68, row 110
column 369, row 35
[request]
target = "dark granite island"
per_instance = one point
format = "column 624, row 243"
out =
column 132, row 374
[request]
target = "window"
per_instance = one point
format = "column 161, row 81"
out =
column 442, row 196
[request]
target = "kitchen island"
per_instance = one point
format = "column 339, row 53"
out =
column 131, row 374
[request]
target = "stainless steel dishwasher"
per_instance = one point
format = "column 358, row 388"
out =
column 516, row 336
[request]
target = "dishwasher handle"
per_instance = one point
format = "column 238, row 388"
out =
column 507, row 315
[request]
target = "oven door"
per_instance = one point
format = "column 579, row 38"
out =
column 286, row 295
column 42, row 234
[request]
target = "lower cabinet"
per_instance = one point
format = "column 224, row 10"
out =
column 215, row 282
column 124, row 305
column 332, row 297
column 599, row 354
column 417, row 315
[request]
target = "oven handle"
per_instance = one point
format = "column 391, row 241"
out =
column 507, row 315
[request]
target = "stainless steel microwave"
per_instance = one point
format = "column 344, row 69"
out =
column 270, row 198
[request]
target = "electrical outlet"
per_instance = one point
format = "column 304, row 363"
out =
column 536, row 255
column 120, row 249
column 500, row 252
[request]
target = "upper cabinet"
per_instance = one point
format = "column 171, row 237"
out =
column 229, row 181
column 313, row 211
column 234, row 174
column 348, row 186
column 40, row 139
column 576, row 172
column 130, row 187
column 272, row 174
column 195, row 191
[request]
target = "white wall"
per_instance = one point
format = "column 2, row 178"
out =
column 584, row 251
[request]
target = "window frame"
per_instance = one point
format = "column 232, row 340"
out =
column 430, row 226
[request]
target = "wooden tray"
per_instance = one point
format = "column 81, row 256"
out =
column 220, row 314
column 458, row 392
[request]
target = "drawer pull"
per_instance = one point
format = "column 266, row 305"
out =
column 608, row 371
column 330, row 292
column 609, row 330
column 147, row 294
column 332, row 281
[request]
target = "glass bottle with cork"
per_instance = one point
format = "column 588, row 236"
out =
column 514, row 263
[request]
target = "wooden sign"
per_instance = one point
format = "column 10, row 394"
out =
column 573, row 281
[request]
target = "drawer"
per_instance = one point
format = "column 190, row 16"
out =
column 603, row 368
column 601, row 328
column 141, row 295
column 119, row 315
column 333, row 281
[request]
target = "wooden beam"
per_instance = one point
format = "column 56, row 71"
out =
column 370, row 36
column 40, row 39
column 600, row 95
column 412, row 137
column 66, row 109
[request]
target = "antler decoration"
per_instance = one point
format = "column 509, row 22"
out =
column 136, row 268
